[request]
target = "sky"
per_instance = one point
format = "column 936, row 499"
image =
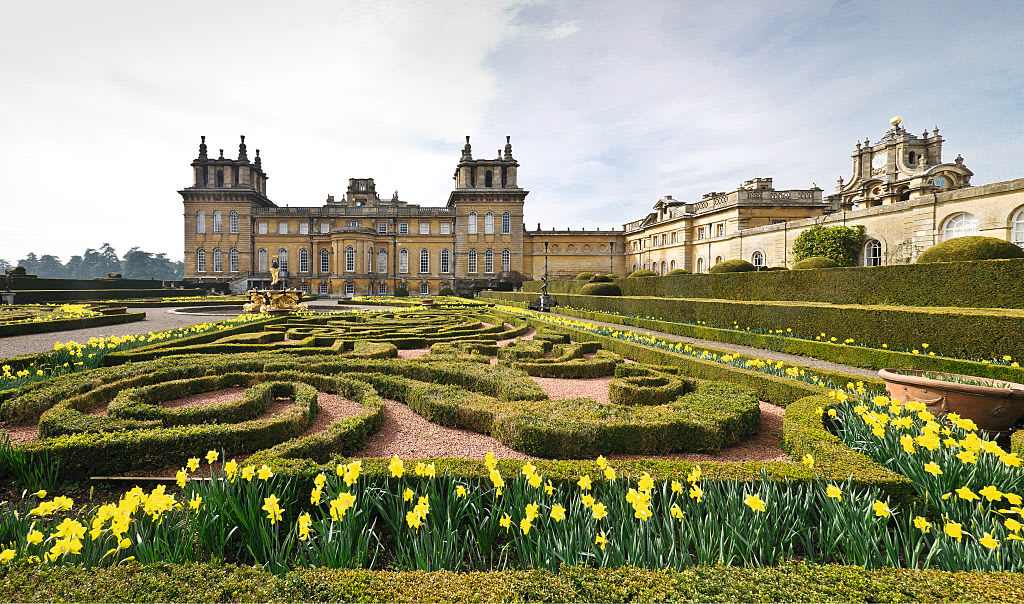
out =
column 610, row 105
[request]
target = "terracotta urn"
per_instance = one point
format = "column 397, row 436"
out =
column 994, row 408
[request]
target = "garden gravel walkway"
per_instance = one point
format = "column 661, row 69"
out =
column 745, row 350
column 157, row 319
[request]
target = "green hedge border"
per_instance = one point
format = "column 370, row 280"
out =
column 24, row 329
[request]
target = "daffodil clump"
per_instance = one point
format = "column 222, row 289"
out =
column 41, row 313
column 69, row 357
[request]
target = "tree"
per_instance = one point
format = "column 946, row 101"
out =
column 840, row 243
column 4, row 265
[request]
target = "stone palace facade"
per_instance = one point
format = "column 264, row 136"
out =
column 901, row 191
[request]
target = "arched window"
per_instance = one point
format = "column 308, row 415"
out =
column 672, row 265
column 471, row 223
column 506, row 261
column 350, row 259
column 303, row 260
column 446, row 260
column 700, row 265
column 218, row 226
column 757, row 259
column 325, row 261
column 471, row 262
column 403, row 261
column 233, row 260
column 200, row 260
column 718, row 259
column 489, row 223
column 369, row 260
column 506, row 223
column 261, row 260
column 233, row 222
column 1017, row 227
column 200, row 222
column 488, row 179
column 662, row 267
column 873, row 253
column 282, row 259
column 382, row 262
column 424, row 261
column 962, row 224
column 218, row 261
column 489, row 261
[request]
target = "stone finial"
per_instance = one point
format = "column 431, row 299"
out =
column 258, row 162
column 508, row 148
column 241, row 150
column 935, row 131
column 867, row 143
column 202, row 147
column 221, row 154
column 959, row 159
column 858, row 145
column 925, row 133
column 839, row 183
column 395, row 196
column 499, row 154
column 467, row 151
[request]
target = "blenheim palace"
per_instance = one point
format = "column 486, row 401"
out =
column 901, row 191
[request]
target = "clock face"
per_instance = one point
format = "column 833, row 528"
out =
column 879, row 160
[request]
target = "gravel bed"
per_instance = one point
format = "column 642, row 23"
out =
column 595, row 388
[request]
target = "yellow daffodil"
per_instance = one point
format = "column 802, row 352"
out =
column 505, row 522
column 396, row 467
column 599, row 511
column 231, row 469
column 272, row 508
column 696, row 493
column 211, row 456
column 557, row 512
column 755, row 502
column 584, row 482
column 181, row 478
column 195, row 502
column 920, row 522
column 881, row 509
column 989, row 541
column 600, row 540
column 966, row 494
column 833, row 492
column 193, row 464
column 264, row 473
column 954, row 530
column 808, row 460
column 460, row 491
column 525, row 525
column 7, row 555
column 609, row 474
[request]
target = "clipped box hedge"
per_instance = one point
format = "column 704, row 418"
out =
column 32, row 296
column 977, row 284
column 23, row 329
column 959, row 332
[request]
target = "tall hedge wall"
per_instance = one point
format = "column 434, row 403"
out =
column 981, row 284
column 32, row 296
column 967, row 333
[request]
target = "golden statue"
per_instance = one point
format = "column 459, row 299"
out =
column 274, row 271
column 273, row 300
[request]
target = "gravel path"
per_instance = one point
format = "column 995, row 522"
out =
column 745, row 350
column 157, row 319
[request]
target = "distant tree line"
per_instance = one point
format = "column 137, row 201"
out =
column 136, row 264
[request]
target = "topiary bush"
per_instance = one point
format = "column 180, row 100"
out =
column 840, row 243
column 643, row 273
column 733, row 266
column 971, row 248
column 677, row 271
column 401, row 292
column 815, row 262
column 601, row 289
column 584, row 276
column 446, row 291
column 774, row 268
column 602, row 279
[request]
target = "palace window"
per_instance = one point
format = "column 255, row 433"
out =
column 261, row 260
column 424, row 261
column 873, row 253
column 700, row 233
column 200, row 222
column 304, row 288
column 471, row 223
column 282, row 228
column 403, row 261
column 489, row 223
column 303, row 228
column 382, row 261
column 675, row 237
column 445, row 260
column 218, row 222
column 303, row 260
column 200, row 260
column 720, row 229
column 382, row 288
column 506, row 223
column 471, row 262
column 424, row 289
column 261, row 228
column 757, row 259
column 233, row 260
column 672, row 265
column 718, row 259
column 220, row 178
column 282, row 259
column 353, row 223
column 489, row 261
column 325, row 261
column 325, row 227
column 350, row 259
column 446, row 228
column 506, row 261
column 664, row 239
column 323, row 288
column 218, row 261
column 424, row 228
column 700, row 265
column 959, row 225
column 1017, row 228
column 382, row 228
column 350, row 289
column 233, row 222
column 403, row 228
